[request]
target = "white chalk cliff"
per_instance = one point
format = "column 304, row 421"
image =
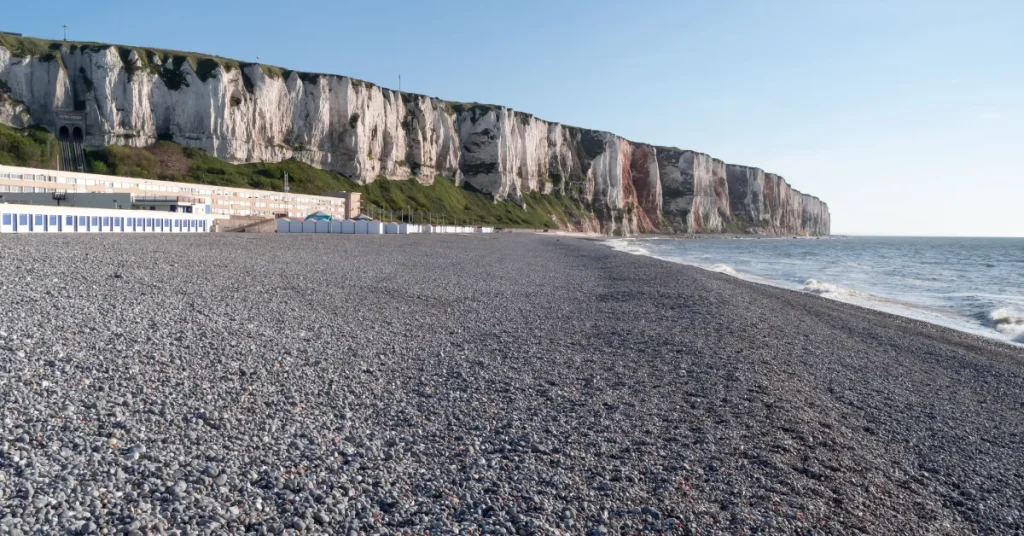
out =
column 253, row 113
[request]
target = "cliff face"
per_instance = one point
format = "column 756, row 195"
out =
column 253, row 113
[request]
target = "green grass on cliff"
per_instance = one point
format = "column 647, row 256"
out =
column 166, row 160
column 31, row 147
column 204, row 65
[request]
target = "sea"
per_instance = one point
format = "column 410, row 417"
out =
column 969, row 284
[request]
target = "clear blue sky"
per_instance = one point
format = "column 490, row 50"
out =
column 907, row 117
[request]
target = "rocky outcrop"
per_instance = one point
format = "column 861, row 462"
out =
column 253, row 113
column 706, row 195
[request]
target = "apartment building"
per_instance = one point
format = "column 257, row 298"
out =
column 222, row 201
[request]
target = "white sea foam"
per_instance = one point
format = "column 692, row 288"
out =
column 1009, row 322
column 627, row 246
column 723, row 268
column 829, row 290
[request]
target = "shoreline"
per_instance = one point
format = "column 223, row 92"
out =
column 872, row 302
column 492, row 383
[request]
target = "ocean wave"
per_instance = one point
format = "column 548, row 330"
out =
column 627, row 246
column 830, row 290
column 723, row 268
column 1009, row 322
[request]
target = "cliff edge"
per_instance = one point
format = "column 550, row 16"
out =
column 246, row 112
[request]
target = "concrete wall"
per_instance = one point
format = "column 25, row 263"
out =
column 72, row 199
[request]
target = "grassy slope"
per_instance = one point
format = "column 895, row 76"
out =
column 33, row 147
column 169, row 161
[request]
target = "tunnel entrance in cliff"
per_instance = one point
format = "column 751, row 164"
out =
column 70, row 125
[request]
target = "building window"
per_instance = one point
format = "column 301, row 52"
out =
column 69, row 220
column 53, row 220
column 39, row 219
column 95, row 220
column 22, row 219
column 106, row 220
column 7, row 219
column 167, row 223
column 81, row 220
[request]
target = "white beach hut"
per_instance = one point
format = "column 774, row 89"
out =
column 348, row 227
column 295, row 226
column 323, row 226
column 362, row 227
column 309, row 226
column 375, row 227
column 282, row 225
column 335, row 227
column 391, row 228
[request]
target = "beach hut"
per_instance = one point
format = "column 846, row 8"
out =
column 391, row 228
column 323, row 226
column 375, row 227
column 348, row 227
column 282, row 225
column 308, row 226
column 362, row 227
column 335, row 227
column 406, row 228
column 295, row 226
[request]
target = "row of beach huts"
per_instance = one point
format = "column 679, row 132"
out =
column 363, row 226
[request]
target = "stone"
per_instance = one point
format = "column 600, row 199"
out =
column 364, row 131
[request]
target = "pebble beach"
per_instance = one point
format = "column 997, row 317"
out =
column 488, row 384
